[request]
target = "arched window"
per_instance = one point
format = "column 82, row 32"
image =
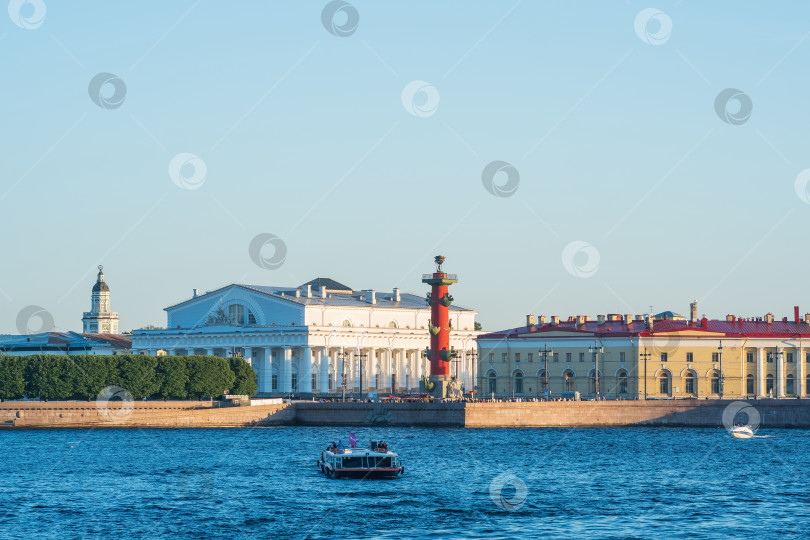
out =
column 392, row 324
column 519, row 382
column 690, row 383
column 665, row 383
column 491, row 379
column 790, row 387
column 569, row 380
column 541, row 381
column 749, row 385
column 769, row 385
column 715, row 382
column 622, row 376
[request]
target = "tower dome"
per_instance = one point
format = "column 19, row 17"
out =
column 100, row 320
column 100, row 285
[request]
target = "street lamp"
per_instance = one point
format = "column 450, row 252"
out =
column 361, row 356
column 645, row 355
column 545, row 352
column 595, row 351
column 720, row 360
column 342, row 355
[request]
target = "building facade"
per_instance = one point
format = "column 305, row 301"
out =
column 100, row 320
column 648, row 357
column 304, row 339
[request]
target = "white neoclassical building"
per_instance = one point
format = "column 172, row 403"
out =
column 304, row 339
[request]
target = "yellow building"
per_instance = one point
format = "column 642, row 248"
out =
column 655, row 357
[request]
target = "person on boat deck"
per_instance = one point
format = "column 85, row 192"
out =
column 340, row 445
column 333, row 446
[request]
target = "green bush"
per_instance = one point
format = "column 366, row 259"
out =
column 172, row 376
column 208, row 376
column 245, row 383
column 12, row 377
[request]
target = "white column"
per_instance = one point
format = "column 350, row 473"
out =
column 760, row 372
column 261, row 364
column 371, row 368
column 209, row 351
column 286, row 370
column 780, row 372
column 324, row 381
column 305, row 384
column 389, row 354
column 800, row 372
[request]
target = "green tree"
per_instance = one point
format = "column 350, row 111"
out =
column 137, row 375
column 12, row 381
column 245, row 382
column 172, row 375
column 208, row 376
column 477, row 326
column 50, row 377
column 91, row 375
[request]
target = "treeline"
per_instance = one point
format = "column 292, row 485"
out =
column 85, row 376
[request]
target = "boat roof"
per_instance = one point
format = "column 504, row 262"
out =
column 361, row 452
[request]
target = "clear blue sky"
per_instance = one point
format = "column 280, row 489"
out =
column 304, row 135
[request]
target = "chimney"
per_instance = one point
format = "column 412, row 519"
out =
column 580, row 319
column 769, row 318
column 555, row 319
column 648, row 320
column 693, row 311
column 541, row 319
column 807, row 318
column 600, row 319
column 298, row 293
column 638, row 318
column 529, row 320
column 309, row 291
column 729, row 318
column 397, row 297
column 370, row 296
column 628, row 319
column 704, row 322
column 796, row 314
column 194, row 292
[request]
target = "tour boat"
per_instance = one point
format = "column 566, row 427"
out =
column 374, row 462
column 742, row 432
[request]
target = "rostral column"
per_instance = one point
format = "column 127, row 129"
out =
column 440, row 353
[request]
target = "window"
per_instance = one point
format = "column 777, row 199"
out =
column 807, row 384
column 315, row 382
column 690, row 357
column 541, row 375
column 491, row 357
column 568, row 357
column 294, row 382
column 663, row 383
column 770, row 357
column 749, row 385
column 331, row 382
column 518, row 383
column 582, row 357
column 556, row 357
column 517, row 358
column 621, row 357
column 376, row 380
column 769, row 385
column 689, row 383
column 406, row 381
column 622, row 381
column 503, row 357
column 569, row 381
column 491, row 380
column 664, row 357
column 807, row 357
column 251, row 318
column 789, row 359
column 593, row 357
column 275, row 382
column 790, row 388
column 749, row 357
column 715, row 383
column 236, row 314
column 715, row 357
column 530, row 357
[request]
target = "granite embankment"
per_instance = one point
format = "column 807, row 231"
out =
column 180, row 414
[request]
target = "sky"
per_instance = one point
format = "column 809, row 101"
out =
column 566, row 157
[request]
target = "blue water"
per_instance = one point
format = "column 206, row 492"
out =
column 487, row 483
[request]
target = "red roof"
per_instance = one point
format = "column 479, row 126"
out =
column 736, row 328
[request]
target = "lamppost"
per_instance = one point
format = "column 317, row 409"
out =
column 361, row 356
column 545, row 352
column 595, row 350
column 720, row 361
column 342, row 355
column 645, row 355
column 474, row 368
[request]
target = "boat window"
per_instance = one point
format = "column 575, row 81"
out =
column 352, row 462
column 384, row 462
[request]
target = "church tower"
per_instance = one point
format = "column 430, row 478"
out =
column 100, row 320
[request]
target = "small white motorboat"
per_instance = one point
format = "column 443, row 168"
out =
column 742, row 432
